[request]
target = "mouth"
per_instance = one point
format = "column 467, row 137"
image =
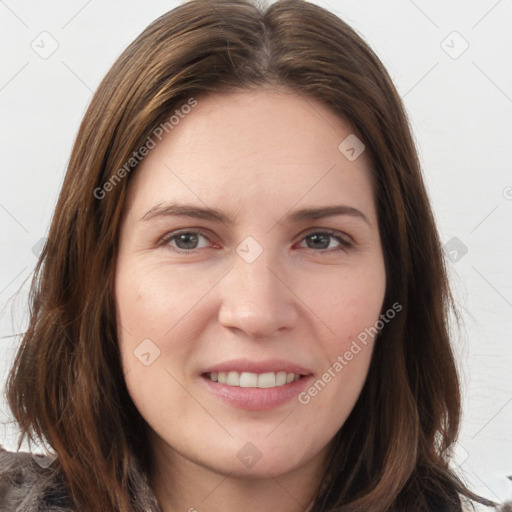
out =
column 253, row 380
column 256, row 386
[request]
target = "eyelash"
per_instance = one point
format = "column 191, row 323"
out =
column 344, row 244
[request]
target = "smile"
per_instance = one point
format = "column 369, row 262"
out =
column 253, row 380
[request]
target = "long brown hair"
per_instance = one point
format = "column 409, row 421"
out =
column 67, row 388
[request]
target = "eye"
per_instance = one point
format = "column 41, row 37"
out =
column 184, row 241
column 189, row 241
column 321, row 240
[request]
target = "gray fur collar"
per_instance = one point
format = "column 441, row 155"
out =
column 26, row 485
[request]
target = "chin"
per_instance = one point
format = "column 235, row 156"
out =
column 262, row 458
column 264, row 468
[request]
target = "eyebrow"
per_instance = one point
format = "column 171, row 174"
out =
column 211, row 214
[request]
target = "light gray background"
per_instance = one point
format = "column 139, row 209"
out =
column 460, row 106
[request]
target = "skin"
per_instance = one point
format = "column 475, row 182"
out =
column 256, row 156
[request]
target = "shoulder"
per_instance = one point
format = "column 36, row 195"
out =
column 29, row 483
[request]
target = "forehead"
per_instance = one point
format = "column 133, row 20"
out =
column 254, row 149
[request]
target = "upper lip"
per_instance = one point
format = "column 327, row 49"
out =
column 264, row 366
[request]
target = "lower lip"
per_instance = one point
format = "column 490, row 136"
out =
column 257, row 399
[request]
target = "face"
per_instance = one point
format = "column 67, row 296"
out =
column 239, row 296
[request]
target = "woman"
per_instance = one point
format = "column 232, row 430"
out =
column 242, row 300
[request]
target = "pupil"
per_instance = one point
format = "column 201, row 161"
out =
column 319, row 237
column 190, row 240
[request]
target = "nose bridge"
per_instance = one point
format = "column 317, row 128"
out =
column 255, row 276
column 253, row 298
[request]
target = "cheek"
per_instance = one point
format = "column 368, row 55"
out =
column 156, row 337
column 143, row 310
column 330, row 398
column 148, row 307
column 346, row 304
column 349, row 309
column 151, row 300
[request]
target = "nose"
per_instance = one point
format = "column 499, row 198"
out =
column 256, row 298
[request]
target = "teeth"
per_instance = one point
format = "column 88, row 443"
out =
column 254, row 380
column 267, row 380
column 233, row 379
column 248, row 380
column 281, row 378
